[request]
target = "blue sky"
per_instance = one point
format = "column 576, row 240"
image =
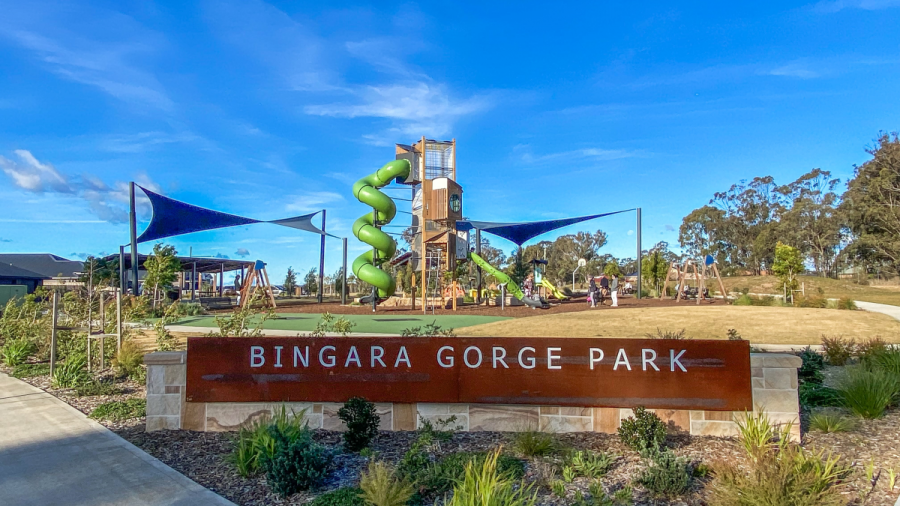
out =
column 270, row 110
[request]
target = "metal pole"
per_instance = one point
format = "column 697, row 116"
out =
column 638, row 253
column 322, row 260
column 478, row 267
column 122, row 284
column 89, row 315
column 134, row 248
column 118, row 321
column 222, row 279
column 53, row 333
column 503, row 297
column 193, row 279
column 344, row 274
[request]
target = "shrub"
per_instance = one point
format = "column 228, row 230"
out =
column 734, row 335
column 295, row 465
column 430, row 330
column 71, row 373
column 255, row 443
column 30, row 370
column 868, row 393
column 811, row 369
column 118, row 411
column 785, row 475
column 815, row 395
column 439, row 477
column 643, row 432
column 887, row 360
column 590, row 464
column 830, row 421
column 381, row 487
column 811, row 301
column 362, row 421
column 129, row 361
column 346, row 496
column 846, row 303
column 667, row 334
column 743, row 300
column 95, row 387
column 534, row 443
column 16, row 351
column 756, row 432
column 870, row 347
column 838, row 350
column 666, row 476
column 485, row 485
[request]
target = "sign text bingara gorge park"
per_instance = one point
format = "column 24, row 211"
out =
column 656, row 373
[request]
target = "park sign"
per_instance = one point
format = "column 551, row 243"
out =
column 706, row 375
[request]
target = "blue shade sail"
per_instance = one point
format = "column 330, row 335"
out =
column 172, row 217
column 519, row 233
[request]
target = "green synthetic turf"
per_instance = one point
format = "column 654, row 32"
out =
column 377, row 323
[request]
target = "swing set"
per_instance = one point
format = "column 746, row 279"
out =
column 699, row 272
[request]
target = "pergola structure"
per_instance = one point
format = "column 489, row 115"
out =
column 194, row 265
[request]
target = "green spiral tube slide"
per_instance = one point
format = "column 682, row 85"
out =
column 365, row 267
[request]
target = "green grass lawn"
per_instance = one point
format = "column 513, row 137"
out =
column 376, row 323
column 830, row 288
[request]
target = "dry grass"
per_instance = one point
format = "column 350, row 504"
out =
column 764, row 325
column 831, row 288
column 145, row 339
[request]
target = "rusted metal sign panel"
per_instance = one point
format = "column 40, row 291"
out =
column 656, row 373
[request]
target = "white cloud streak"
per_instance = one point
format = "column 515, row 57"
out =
column 311, row 201
column 832, row 6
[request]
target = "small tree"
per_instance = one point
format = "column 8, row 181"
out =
column 162, row 267
column 312, row 281
column 788, row 264
column 655, row 268
column 338, row 280
column 612, row 268
column 290, row 281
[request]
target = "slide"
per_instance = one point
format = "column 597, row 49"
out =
column 366, row 227
column 511, row 286
column 553, row 290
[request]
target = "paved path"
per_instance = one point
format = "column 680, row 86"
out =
column 892, row 311
column 50, row 453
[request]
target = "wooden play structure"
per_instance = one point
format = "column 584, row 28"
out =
column 699, row 272
column 257, row 277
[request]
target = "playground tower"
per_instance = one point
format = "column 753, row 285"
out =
column 436, row 206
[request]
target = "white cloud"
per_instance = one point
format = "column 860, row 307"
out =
column 311, row 201
column 794, row 69
column 109, row 203
column 144, row 141
column 832, row 6
column 594, row 154
column 32, row 175
column 102, row 54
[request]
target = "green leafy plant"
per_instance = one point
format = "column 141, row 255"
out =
column 118, row 411
column 868, row 348
column 887, row 360
column 591, row 464
column 129, row 361
column 868, row 393
column 95, row 387
column 430, row 330
column 435, row 478
column 811, row 369
column 813, row 395
column 71, row 373
column 838, row 350
column 830, row 421
column 362, row 421
column 437, row 432
column 568, row 474
column 846, row 303
column 346, row 496
column 756, row 432
column 247, row 320
column 381, row 487
column 295, row 465
column 623, row 496
column 30, row 370
column 559, row 489
column 485, row 485
column 643, row 432
column 255, row 442
column 534, row 443
column 17, row 351
column 666, row 476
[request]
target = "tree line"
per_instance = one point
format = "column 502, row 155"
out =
column 833, row 225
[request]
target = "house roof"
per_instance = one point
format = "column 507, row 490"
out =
column 44, row 264
column 11, row 271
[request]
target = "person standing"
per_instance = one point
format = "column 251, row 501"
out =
column 592, row 293
column 528, row 285
column 613, row 290
column 604, row 287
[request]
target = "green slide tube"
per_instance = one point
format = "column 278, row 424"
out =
column 501, row 276
column 552, row 289
column 366, row 227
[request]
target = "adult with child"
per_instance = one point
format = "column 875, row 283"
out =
column 604, row 287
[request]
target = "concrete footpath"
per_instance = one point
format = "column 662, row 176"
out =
column 51, row 453
column 892, row 311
